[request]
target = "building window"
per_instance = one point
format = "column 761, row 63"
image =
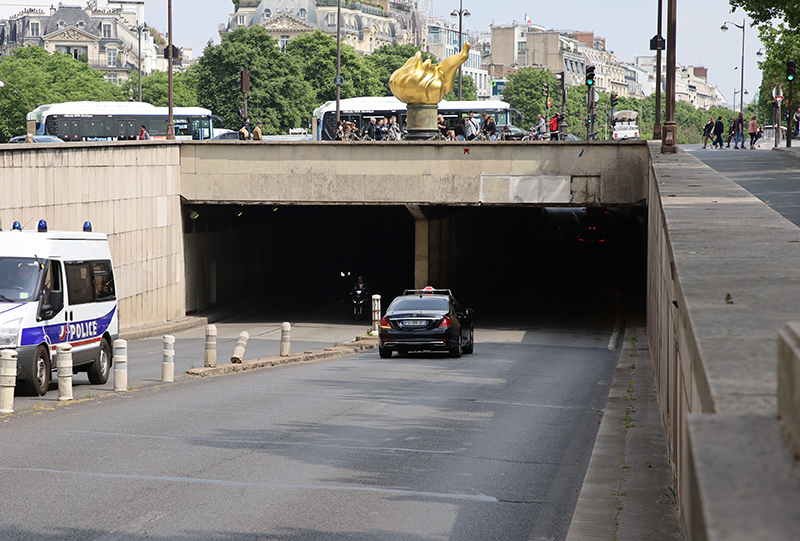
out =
column 61, row 24
column 81, row 24
column 267, row 13
column 35, row 30
column 111, row 78
column 106, row 30
column 303, row 13
column 284, row 43
column 240, row 20
column 331, row 19
column 112, row 58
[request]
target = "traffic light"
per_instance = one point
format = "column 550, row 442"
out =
column 614, row 100
column 791, row 69
column 244, row 85
column 590, row 75
column 546, row 90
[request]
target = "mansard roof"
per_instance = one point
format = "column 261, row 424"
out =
column 292, row 8
column 71, row 16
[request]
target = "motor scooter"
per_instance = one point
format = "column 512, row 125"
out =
column 360, row 298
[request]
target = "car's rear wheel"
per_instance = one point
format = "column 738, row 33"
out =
column 469, row 348
column 384, row 353
column 456, row 351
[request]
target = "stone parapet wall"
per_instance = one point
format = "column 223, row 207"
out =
column 127, row 193
column 722, row 281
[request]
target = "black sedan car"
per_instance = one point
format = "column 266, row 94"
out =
column 426, row 320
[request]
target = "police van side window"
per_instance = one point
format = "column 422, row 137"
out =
column 103, row 281
column 80, row 283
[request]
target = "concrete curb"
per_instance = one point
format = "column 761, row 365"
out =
column 794, row 152
column 361, row 343
column 625, row 494
column 169, row 327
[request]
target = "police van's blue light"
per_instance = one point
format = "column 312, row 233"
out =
column 87, row 226
column 16, row 227
column 42, row 226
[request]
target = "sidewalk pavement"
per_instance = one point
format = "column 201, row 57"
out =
column 628, row 493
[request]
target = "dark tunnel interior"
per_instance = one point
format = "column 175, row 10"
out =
column 515, row 266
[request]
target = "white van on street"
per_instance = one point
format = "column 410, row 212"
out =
column 624, row 126
column 57, row 287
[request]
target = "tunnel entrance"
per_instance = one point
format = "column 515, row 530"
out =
column 513, row 265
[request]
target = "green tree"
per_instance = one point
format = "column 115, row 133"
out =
column 155, row 88
column 42, row 78
column 316, row 54
column 469, row 92
column 281, row 96
column 780, row 44
column 388, row 59
column 524, row 92
column 766, row 11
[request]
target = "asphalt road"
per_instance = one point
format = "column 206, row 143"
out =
column 493, row 445
column 772, row 177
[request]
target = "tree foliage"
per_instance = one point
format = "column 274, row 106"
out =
column 766, row 11
column 279, row 94
column 155, row 88
column 316, row 54
column 42, row 78
column 469, row 92
column 780, row 44
column 388, row 59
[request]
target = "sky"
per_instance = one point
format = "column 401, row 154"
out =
column 627, row 26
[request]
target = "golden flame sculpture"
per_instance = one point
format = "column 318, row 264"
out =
column 424, row 83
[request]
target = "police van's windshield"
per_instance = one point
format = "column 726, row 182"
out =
column 19, row 277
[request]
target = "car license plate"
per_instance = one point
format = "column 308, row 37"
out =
column 414, row 322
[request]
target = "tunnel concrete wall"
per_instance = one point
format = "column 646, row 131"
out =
column 129, row 193
column 417, row 173
column 722, row 281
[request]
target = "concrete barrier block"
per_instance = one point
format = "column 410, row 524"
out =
column 789, row 382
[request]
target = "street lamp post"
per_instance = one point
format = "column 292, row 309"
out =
column 31, row 124
column 669, row 132
column 724, row 28
column 461, row 13
column 140, row 27
column 170, row 119
column 338, row 81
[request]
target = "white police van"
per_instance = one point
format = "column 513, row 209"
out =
column 57, row 287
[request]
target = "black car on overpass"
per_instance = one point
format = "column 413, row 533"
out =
column 426, row 320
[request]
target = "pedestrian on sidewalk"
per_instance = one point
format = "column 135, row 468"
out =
column 719, row 127
column 738, row 131
column 707, row 131
column 752, row 130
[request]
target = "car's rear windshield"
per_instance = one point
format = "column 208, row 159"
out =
column 416, row 304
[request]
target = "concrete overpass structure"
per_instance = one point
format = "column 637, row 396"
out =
column 722, row 268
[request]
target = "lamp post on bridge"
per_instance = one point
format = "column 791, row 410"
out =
column 460, row 13
column 724, row 28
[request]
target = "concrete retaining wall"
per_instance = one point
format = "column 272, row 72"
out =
column 722, row 280
column 129, row 194
column 416, row 173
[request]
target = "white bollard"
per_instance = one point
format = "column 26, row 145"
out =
column 376, row 313
column 286, row 330
column 64, row 365
column 168, row 359
column 241, row 345
column 120, row 365
column 211, row 347
column 8, row 379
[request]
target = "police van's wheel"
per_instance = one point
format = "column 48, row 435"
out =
column 98, row 371
column 38, row 381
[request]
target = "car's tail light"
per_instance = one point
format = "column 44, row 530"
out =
column 385, row 324
column 446, row 323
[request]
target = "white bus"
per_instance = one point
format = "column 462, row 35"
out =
column 360, row 110
column 119, row 121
